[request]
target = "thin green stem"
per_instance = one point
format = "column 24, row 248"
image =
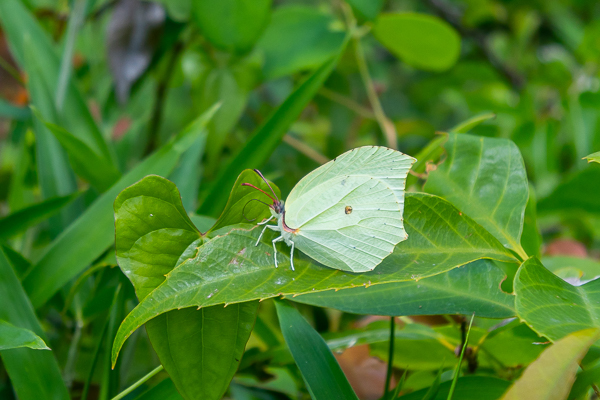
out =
column 347, row 102
column 138, row 383
column 388, row 375
column 305, row 149
column 387, row 127
column 462, row 354
column 5, row 65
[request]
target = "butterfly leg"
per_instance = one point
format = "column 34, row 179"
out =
column 279, row 239
column 292, row 255
column 274, row 227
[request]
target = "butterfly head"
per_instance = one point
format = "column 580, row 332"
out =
column 277, row 207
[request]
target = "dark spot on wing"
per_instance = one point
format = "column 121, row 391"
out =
column 348, row 209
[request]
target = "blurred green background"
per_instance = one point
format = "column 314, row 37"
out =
column 113, row 83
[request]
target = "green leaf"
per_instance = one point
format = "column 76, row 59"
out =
column 594, row 157
column 19, row 264
column 551, row 376
column 578, row 193
column 467, row 388
column 230, row 268
column 55, row 175
column 232, row 25
column 368, row 9
column 33, row 374
column 78, row 245
column 188, row 173
column 552, row 307
column 320, row 370
column 99, row 171
column 298, row 38
column 473, row 288
column 12, row 337
column 486, row 179
column 200, row 349
column 241, row 206
column 32, row 215
column 266, row 138
column 423, row 41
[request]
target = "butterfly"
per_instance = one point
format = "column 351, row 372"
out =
column 346, row 214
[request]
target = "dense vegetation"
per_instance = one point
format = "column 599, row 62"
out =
column 127, row 128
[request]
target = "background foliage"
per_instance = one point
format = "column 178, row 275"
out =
column 101, row 100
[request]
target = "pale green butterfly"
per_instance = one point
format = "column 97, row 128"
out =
column 346, row 214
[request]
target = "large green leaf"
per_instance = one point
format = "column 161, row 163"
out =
column 551, row 376
column 298, row 38
column 266, row 138
column 321, row 372
column 34, row 214
column 12, row 337
column 473, row 288
column 486, row 179
column 231, row 269
column 232, row 24
column 421, row 40
column 552, row 307
column 34, row 374
column 78, row 245
column 200, row 349
column 579, row 192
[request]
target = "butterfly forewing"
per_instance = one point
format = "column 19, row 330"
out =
column 348, row 212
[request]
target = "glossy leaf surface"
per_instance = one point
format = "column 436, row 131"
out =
column 486, row 179
column 472, row 288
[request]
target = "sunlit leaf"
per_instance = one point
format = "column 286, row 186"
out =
column 12, row 337
column 486, row 179
column 551, row 376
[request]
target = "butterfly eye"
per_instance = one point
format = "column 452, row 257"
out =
column 348, row 209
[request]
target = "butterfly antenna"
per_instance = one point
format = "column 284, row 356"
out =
column 267, row 182
column 244, row 209
column 260, row 190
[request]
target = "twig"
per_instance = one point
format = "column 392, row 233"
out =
column 138, row 383
column 453, row 16
column 387, row 127
column 347, row 102
column 12, row 71
column 305, row 149
column 390, row 366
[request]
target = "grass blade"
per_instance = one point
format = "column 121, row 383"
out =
column 321, row 372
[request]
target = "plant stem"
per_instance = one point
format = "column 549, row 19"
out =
column 138, row 383
column 347, row 102
column 305, row 149
column 388, row 375
column 387, row 127
column 5, row 65
column 462, row 354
